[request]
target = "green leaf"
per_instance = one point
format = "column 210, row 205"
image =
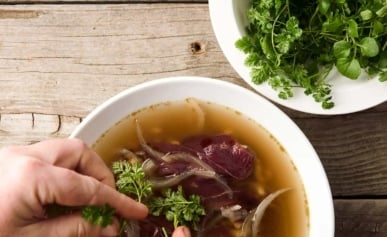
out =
column 348, row 67
column 244, row 44
column 333, row 24
column 342, row 49
column 323, row 6
column 352, row 29
column 377, row 28
column 382, row 63
column 382, row 12
column 277, row 5
column 267, row 47
column 383, row 76
column 369, row 47
column 96, row 215
column 130, row 179
column 366, row 15
column 176, row 208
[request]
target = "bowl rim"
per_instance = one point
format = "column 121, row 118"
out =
column 275, row 121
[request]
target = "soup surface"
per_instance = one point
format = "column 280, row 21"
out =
column 172, row 122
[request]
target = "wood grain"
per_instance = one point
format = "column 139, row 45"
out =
column 27, row 128
column 365, row 218
column 353, row 150
column 50, row 55
column 99, row 1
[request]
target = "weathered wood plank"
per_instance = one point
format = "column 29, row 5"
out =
column 99, row 1
column 51, row 54
column 353, row 149
column 365, row 218
column 295, row 114
column 27, row 128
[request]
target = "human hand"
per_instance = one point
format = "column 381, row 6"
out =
column 64, row 172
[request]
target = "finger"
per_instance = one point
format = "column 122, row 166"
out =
column 71, row 154
column 181, row 231
column 68, row 188
column 72, row 225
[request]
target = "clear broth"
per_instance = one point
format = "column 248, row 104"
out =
column 170, row 122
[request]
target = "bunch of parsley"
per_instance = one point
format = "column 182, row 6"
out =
column 132, row 181
column 297, row 43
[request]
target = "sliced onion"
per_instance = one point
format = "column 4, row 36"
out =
column 200, row 114
column 234, row 213
column 149, row 167
column 155, row 154
column 172, row 180
column 250, row 227
column 184, row 156
column 128, row 155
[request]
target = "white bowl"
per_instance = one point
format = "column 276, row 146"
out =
column 228, row 20
column 286, row 132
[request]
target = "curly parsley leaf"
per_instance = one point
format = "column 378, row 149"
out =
column 177, row 209
column 97, row 215
column 131, row 180
column 172, row 204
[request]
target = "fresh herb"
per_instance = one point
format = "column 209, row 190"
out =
column 176, row 208
column 290, row 46
column 96, row 215
column 131, row 180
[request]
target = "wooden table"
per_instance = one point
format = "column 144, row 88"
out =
column 58, row 60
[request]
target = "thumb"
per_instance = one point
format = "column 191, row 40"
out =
column 72, row 225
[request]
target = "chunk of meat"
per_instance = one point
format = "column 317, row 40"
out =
column 224, row 154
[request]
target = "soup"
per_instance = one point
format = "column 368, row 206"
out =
column 173, row 122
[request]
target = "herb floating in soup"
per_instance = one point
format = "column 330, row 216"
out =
column 207, row 167
column 296, row 43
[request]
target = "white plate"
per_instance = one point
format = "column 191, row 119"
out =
column 228, row 22
column 286, row 132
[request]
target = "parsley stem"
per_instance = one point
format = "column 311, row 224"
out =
column 273, row 33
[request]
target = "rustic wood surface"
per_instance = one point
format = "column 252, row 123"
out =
column 58, row 60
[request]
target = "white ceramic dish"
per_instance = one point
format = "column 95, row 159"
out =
column 264, row 113
column 229, row 21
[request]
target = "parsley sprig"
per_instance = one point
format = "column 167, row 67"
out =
column 177, row 209
column 291, row 46
column 96, row 215
column 132, row 181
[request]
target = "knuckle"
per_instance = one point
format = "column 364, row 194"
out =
column 79, row 144
column 31, row 165
column 96, row 190
column 25, row 167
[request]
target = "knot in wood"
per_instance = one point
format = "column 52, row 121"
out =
column 198, row 47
